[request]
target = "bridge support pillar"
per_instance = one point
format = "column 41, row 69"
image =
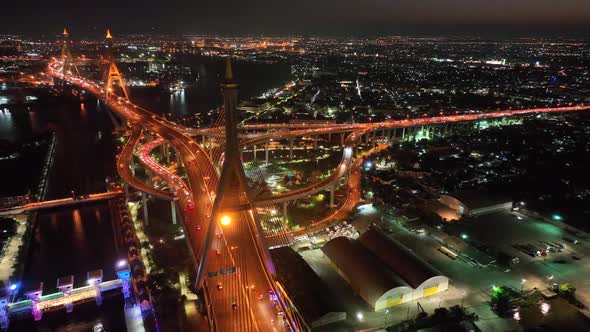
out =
column 394, row 134
column 285, row 215
column 178, row 160
column 68, row 305
column 266, row 153
column 403, row 133
column 329, row 137
column 126, row 188
column 254, row 151
column 290, row 148
column 173, row 211
column 166, row 151
column 332, row 191
column 145, row 209
column 342, row 139
column 315, row 142
column 37, row 313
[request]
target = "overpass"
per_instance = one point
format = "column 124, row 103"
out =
column 58, row 203
column 224, row 262
column 360, row 130
column 200, row 191
column 123, row 167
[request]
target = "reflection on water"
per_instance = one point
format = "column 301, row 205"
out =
column 74, row 242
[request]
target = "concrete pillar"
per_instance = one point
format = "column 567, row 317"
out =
column 332, row 190
column 403, row 133
column 315, row 142
column 329, row 137
column 145, row 209
column 173, row 211
column 394, row 134
column 285, row 214
column 254, row 151
column 290, row 148
column 266, row 153
column 342, row 139
column 126, row 188
column 167, row 152
column 178, row 160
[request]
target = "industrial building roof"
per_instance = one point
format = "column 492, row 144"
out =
column 398, row 258
column 366, row 275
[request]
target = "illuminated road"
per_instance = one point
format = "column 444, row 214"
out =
column 359, row 130
column 58, row 202
column 124, row 161
column 196, row 204
column 239, row 243
column 353, row 197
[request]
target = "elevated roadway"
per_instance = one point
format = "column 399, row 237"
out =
column 58, row 203
column 124, row 170
column 359, row 130
column 237, row 246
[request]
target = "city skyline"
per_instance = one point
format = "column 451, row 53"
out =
column 311, row 166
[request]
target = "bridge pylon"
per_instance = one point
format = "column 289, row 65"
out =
column 66, row 55
column 233, row 192
column 113, row 74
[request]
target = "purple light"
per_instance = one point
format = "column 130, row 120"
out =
column 121, row 263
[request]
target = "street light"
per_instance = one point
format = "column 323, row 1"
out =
column 360, row 316
column 225, row 220
column 12, row 291
column 385, row 319
column 121, row 263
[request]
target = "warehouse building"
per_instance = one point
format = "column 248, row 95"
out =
column 382, row 271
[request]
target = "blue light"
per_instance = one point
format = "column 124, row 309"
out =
column 13, row 287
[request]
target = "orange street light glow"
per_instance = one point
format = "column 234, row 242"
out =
column 225, row 220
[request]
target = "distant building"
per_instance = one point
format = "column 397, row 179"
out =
column 473, row 203
column 383, row 271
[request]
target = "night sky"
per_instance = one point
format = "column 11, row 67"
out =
column 306, row 17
